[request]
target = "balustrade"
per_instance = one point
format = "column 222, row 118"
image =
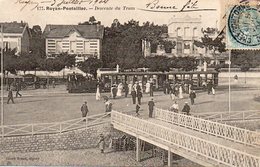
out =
column 207, row 149
column 206, row 126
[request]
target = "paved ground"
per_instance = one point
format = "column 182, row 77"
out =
column 51, row 105
column 89, row 157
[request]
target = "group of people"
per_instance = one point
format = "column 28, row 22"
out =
column 133, row 88
column 185, row 109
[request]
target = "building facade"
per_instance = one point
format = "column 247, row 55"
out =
column 184, row 31
column 81, row 40
column 16, row 36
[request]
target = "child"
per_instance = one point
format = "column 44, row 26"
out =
column 137, row 109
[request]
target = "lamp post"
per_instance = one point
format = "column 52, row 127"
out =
column 2, row 77
column 229, row 80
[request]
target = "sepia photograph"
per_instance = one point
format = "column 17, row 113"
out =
column 113, row 83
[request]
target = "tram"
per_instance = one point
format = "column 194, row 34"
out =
column 195, row 78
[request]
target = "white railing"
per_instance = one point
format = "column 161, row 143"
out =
column 205, row 148
column 231, row 116
column 56, row 127
column 229, row 132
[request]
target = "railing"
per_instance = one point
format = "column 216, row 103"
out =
column 233, row 133
column 207, row 149
column 231, row 116
column 57, row 127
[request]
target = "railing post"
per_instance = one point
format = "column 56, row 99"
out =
column 169, row 158
column 138, row 149
column 243, row 115
column 86, row 123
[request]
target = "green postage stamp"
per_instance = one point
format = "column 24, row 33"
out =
column 243, row 27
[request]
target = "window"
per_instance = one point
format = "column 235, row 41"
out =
column 187, row 31
column 178, row 32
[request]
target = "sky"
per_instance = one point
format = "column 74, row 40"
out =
column 12, row 10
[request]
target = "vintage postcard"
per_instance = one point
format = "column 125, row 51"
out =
column 130, row 83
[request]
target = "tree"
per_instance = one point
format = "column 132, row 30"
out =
column 28, row 62
column 210, row 42
column 122, row 43
column 67, row 60
column 186, row 63
column 245, row 60
column 91, row 21
column 10, row 61
column 158, row 63
column 37, row 41
column 90, row 66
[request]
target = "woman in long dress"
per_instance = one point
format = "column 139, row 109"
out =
column 98, row 93
column 130, row 86
column 119, row 90
column 147, row 87
column 180, row 94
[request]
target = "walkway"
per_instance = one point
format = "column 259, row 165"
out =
column 204, row 142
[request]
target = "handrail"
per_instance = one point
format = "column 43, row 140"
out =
column 54, row 127
column 229, row 132
column 229, row 116
column 219, row 153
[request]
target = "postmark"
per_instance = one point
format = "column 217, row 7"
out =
column 243, row 28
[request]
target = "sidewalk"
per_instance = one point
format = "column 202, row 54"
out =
column 59, row 89
column 84, row 157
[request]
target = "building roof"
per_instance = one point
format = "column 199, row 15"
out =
column 185, row 19
column 86, row 31
column 14, row 27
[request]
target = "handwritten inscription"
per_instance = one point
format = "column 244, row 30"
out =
column 157, row 6
column 33, row 4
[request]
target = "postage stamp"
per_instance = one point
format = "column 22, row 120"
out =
column 243, row 27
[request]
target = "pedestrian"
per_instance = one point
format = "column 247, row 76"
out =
column 108, row 105
column 137, row 108
column 133, row 93
column 10, row 96
column 186, row 108
column 164, row 87
column 130, row 87
column 209, row 86
column 101, row 143
column 151, row 89
column 151, row 107
column 236, row 78
column 192, row 96
column 213, row 90
column 141, row 86
column 119, row 90
column 139, row 97
column 114, row 91
column 147, row 87
column 167, row 84
column 180, row 92
column 53, row 83
column 84, row 110
column 126, row 89
column 175, row 107
column 18, row 88
column 98, row 95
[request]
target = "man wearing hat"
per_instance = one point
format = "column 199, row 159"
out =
column 186, row 108
column 151, row 106
column 84, row 110
column 101, row 143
